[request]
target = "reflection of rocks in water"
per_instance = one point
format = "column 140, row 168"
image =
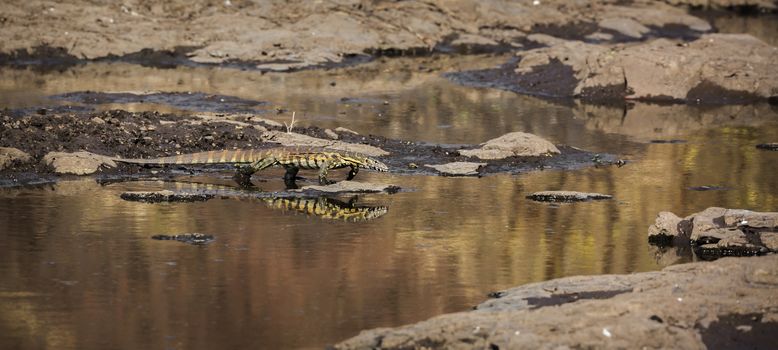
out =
column 327, row 208
column 671, row 255
column 668, row 123
column 717, row 232
column 189, row 238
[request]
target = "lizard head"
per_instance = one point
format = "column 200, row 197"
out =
column 370, row 163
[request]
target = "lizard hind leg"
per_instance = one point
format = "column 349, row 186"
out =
column 290, row 177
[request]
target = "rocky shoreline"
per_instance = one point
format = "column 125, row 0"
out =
column 729, row 302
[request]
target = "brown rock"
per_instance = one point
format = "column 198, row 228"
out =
column 513, row 144
column 668, row 228
column 458, row 168
column 10, row 155
column 78, row 163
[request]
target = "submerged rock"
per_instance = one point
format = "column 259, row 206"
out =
column 166, row 196
column 78, row 163
column 660, row 309
column 716, row 232
column 513, row 144
column 458, row 168
column 768, row 146
column 566, row 196
column 10, row 155
column 190, row 238
column 348, row 187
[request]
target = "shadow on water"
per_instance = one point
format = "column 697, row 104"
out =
column 76, row 257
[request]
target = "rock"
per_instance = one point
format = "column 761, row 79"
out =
column 717, row 232
column 342, row 129
column 625, row 26
column 10, row 155
column 566, row 196
column 769, row 240
column 189, row 238
column 513, row 144
column 331, row 134
column 668, row 228
column 78, row 163
column 165, row 196
column 740, row 217
column 672, row 308
column 458, row 168
column 348, row 187
column 715, row 69
column 768, row 146
column 294, row 139
column 704, row 221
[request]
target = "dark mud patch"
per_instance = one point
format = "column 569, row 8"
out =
column 734, row 331
column 554, row 80
column 40, row 59
column 707, row 92
column 188, row 238
column 559, row 299
column 165, row 196
column 193, row 101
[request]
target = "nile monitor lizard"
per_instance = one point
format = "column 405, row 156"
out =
column 291, row 158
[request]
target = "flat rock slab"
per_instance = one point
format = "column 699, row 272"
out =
column 458, row 168
column 773, row 146
column 566, row 196
column 77, row 163
column 682, row 307
column 513, row 144
column 189, row 238
column 10, row 155
column 292, row 139
column 166, row 196
column 347, row 187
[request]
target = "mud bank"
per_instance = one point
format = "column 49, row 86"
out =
column 690, row 306
column 51, row 139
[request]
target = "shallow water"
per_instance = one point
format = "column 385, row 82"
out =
column 81, row 272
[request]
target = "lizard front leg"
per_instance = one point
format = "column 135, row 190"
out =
column 353, row 172
column 323, row 174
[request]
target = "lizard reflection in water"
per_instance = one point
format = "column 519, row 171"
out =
column 327, row 208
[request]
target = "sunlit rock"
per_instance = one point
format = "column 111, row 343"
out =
column 10, row 155
column 77, row 163
column 457, row 168
column 513, row 144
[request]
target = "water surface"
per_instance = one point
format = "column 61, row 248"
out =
column 79, row 270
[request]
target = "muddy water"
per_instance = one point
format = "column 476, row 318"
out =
column 79, row 270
